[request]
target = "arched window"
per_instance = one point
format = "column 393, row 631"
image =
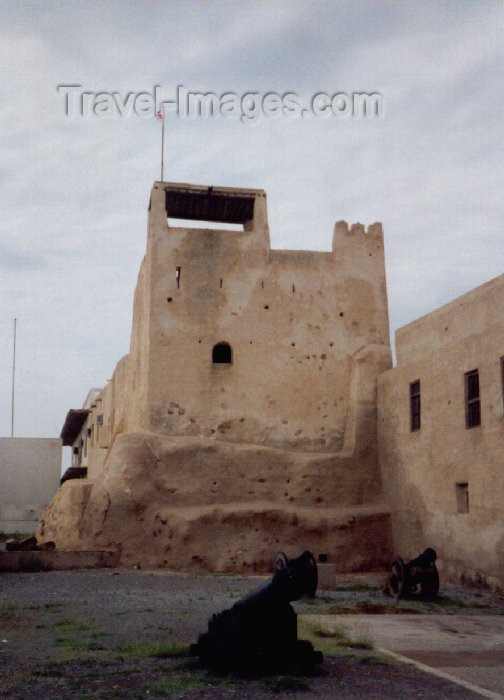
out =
column 222, row 354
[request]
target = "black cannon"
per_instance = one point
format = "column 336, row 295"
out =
column 419, row 578
column 259, row 633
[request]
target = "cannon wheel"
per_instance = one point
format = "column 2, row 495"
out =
column 396, row 580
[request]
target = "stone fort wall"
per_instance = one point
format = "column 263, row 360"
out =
column 443, row 476
column 286, row 444
column 277, row 445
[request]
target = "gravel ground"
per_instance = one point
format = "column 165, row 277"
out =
column 124, row 634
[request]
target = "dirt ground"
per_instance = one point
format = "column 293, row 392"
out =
column 124, row 634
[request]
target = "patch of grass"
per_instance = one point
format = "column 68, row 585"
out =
column 76, row 637
column 8, row 608
column 285, row 684
column 342, row 637
column 379, row 659
column 67, row 667
column 358, row 588
column 142, row 650
column 310, row 601
column 53, row 607
column 114, row 693
column 179, row 682
column 77, row 645
column 331, row 640
column 9, row 614
column 187, row 663
column 119, row 613
column 71, row 624
column 50, row 670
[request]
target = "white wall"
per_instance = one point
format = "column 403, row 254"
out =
column 30, row 470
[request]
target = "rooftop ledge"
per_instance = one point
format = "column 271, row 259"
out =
column 229, row 205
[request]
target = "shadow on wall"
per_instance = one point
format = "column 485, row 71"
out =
column 408, row 524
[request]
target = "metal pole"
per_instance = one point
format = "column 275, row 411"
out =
column 162, row 142
column 13, row 378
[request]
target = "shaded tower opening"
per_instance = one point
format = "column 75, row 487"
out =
column 222, row 354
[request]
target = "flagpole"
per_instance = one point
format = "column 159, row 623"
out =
column 13, row 378
column 162, row 143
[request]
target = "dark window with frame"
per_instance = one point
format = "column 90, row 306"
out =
column 462, row 497
column 472, row 399
column 502, row 379
column 415, row 405
column 222, row 354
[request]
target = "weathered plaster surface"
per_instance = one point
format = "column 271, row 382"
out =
column 420, row 469
column 223, row 464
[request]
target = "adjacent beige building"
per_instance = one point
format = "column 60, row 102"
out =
column 441, row 435
column 85, row 433
column 257, row 408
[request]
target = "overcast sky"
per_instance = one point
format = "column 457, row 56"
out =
column 74, row 192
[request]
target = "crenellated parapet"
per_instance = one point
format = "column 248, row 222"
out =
column 343, row 228
column 356, row 239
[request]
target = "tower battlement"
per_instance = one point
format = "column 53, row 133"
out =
column 373, row 230
column 357, row 236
